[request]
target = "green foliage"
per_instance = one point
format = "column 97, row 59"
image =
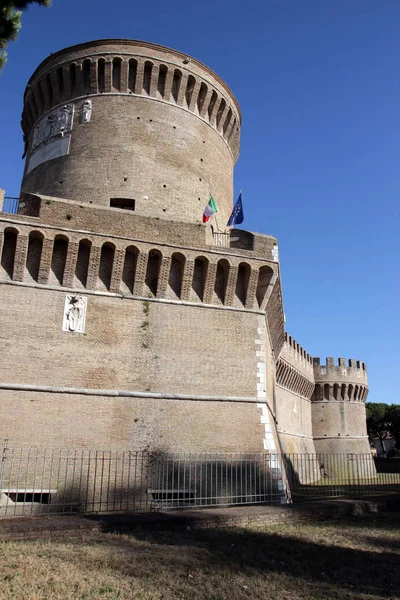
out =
column 11, row 21
column 383, row 419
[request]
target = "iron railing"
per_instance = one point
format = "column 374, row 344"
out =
column 313, row 476
column 82, row 481
column 223, row 240
column 10, row 205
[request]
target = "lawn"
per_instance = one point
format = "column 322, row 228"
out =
column 353, row 558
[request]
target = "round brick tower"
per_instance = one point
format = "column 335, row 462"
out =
column 338, row 406
column 131, row 125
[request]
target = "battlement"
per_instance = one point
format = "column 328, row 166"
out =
column 330, row 362
column 291, row 342
column 345, row 381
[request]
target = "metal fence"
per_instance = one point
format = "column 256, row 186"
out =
column 10, row 205
column 41, row 481
column 313, row 476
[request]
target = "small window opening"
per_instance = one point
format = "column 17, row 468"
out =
column 124, row 203
column 40, row 497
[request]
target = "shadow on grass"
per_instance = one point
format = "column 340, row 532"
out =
column 323, row 562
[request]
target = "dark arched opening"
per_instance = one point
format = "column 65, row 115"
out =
column 58, row 260
column 82, row 263
column 264, row 279
column 221, row 281
column 242, row 283
column 162, row 77
column 8, row 252
column 176, row 275
column 34, row 254
column 199, row 278
column 129, row 269
column 153, row 271
column 106, row 266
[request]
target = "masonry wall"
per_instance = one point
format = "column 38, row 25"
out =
column 97, row 422
column 338, row 406
column 295, row 384
column 163, row 130
column 183, row 350
column 161, row 156
column 170, row 348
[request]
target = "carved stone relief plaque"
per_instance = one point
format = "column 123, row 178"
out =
column 74, row 313
column 86, row 111
column 57, row 123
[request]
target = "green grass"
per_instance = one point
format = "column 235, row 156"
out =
column 351, row 559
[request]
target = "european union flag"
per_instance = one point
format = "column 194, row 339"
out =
column 237, row 215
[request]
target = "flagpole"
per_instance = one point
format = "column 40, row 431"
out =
column 232, row 226
column 216, row 221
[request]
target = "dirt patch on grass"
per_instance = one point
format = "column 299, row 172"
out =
column 355, row 558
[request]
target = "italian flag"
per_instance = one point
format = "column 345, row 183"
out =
column 209, row 210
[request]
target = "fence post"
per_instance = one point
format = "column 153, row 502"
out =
column 3, row 463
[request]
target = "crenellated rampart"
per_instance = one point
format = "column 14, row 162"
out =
column 338, row 406
column 346, row 381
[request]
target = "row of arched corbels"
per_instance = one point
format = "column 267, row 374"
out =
column 340, row 392
column 138, row 76
column 276, row 318
column 132, row 269
column 293, row 380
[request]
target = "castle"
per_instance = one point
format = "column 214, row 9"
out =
column 128, row 323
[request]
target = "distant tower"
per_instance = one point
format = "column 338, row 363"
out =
column 338, row 406
column 130, row 124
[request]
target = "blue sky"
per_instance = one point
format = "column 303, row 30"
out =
column 319, row 88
